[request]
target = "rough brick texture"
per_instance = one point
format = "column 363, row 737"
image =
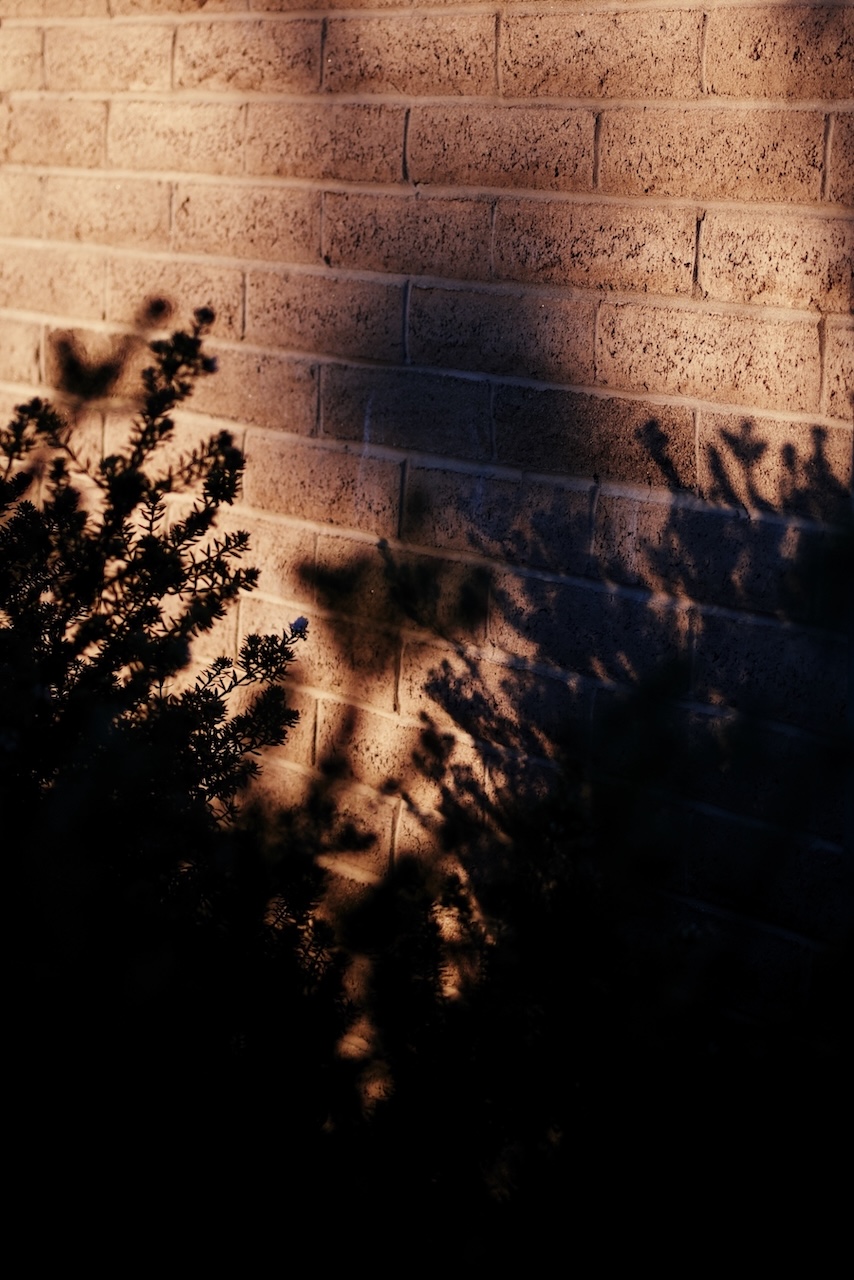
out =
column 535, row 323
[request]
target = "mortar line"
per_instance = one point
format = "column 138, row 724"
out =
column 405, row 155
column 324, row 27
column 829, row 121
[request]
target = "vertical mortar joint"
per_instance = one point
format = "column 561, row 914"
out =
column 405, row 156
column 695, row 275
column 597, row 131
column 324, row 27
column 825, row 155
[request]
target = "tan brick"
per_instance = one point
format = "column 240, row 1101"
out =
column 770, row 364
column 764, row 463
column 407, row 410
column 841, row 179
column 56, row 281
column 47, row 8
column 184, row 286
column 785, row 262
column 126, row 211
column 602, row 437
column 519, row 522
column 20, row 204
column 537, row 336
column 280, row 551
column 595, row 246
column 20, row 58
column 411, row 54
column 839, row 369
column 20, row 344
column 352, row 490
column 408, row 234
column 131, row 8
column 262, row 388
column 348, row 141
column 543, row 147
column 279, row 56
column 613, row 538
column 57, row 132
column 713, row 154
column 602, row 55
column 247, row 222
column 315, row 312
column 350, row 660
column 109, row 56
column 784, row 51
column 194, row 137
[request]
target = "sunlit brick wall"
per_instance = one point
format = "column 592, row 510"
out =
column 554, row 300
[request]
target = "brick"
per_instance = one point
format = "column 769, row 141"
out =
column 247, row 222
column 125, row 211
column 408, row 234
column 278, row 550
column 56, row 281
column 411, row 54
column 407, row 410
column 839, row 369
column 764, row 463
column 841, row 177
column 193, row 137
column 712, row 153
column 131, row 8
column 184, row 286
column 351, row 142
column 584, row 435
column 57, row 132
column 595, row 246
column 548, row 148
column 47, row 8
column 279, row 56
column 261, row 388
column 20, row 344
column 770, row 364
column 519, row 522
column 345, row 489
column 784, row 262
column 604, row 633
column 20, row 204
column 784, row 51
column 320, row 313
column 350, row 660
column 790, row 675
column 20, row 58
column 108, row 57
column 602, row 55
column 536, row 336
column 613, row 539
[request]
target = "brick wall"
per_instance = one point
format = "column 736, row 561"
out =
column 535, row 324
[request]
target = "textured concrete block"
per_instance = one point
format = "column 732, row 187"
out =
column 602, row 55
column 183, row 285
column 780, row 51
column 321, row 313
column 57, row 132
column 411, row 54
column 772, row 364
column 260, row 57
column 613, row 538
column 355, row 142
column 247, row 222
column 407, row 410
column 584, row 435
column 599, row 247
column 839, row 369
column 607, row 634
column 536, row 336
column 783, row 262
column 778, row 465
column 193, row 137
column 262, row 388
column 350, row 490
column 712, row 154
column 352, row 660
column 108, row 56
column 125, row 211
column 66, row 282
column 841, row 178
column 133, row 8
column 408, row 235
column 20, row 344
column 276, row 549
column 21, row 204
column 47, row 8
column 528, row 523
column 791, row 675
column 549, row 148
column 20, row 58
